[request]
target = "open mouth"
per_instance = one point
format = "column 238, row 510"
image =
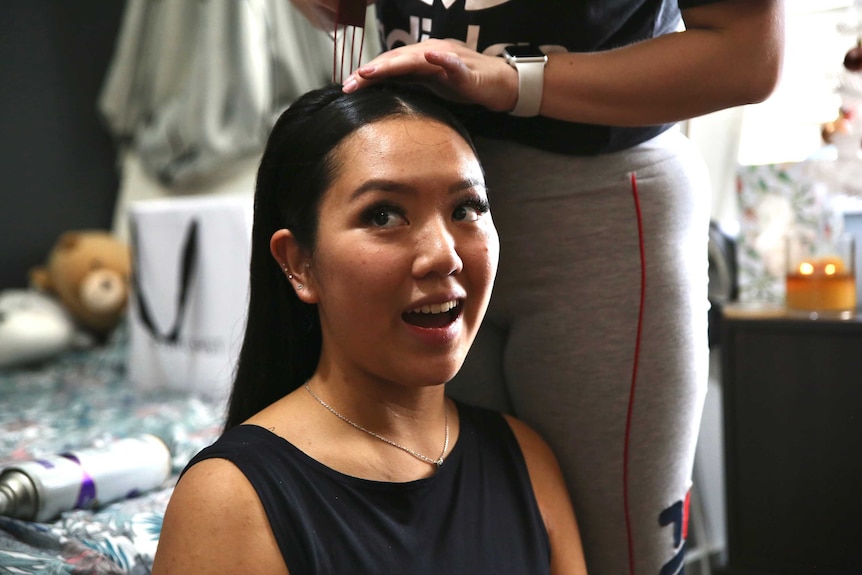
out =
column 433, row 316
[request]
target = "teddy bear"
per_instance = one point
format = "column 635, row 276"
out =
column 75, row 300
column 88, row 272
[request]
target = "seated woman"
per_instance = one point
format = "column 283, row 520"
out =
column 373, row 258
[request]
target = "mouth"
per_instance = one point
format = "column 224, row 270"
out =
column 433, row 315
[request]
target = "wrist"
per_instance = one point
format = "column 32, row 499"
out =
column 529, row 63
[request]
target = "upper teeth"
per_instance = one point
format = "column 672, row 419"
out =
column 435, row 307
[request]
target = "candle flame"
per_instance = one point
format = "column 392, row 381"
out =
column 806, row 268
column 830, row 269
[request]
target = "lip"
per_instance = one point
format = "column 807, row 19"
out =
column 436, row 335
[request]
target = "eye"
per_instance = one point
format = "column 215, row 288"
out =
column 384, row 216
column 470, row 210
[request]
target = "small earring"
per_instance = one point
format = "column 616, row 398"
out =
column 299, row 286
column 289, row 276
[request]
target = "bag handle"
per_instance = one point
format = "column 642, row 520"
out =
column 187, row 267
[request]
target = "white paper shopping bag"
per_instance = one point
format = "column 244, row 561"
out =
column 189, row 292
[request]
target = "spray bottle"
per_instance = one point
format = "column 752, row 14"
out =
column 39, row 490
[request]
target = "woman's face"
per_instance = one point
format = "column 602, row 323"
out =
column 406, row 254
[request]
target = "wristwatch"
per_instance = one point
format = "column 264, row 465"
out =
column 530, row 62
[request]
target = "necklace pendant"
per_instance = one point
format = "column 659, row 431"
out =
column 439, row 463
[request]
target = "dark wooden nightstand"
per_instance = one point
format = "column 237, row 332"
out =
column 792, row 397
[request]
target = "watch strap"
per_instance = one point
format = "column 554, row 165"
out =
column 531, row 77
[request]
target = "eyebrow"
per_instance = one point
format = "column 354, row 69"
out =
column 396, row 187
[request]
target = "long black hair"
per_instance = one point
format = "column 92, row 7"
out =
column 282, row 340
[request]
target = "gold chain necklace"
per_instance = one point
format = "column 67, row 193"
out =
column 438, row 462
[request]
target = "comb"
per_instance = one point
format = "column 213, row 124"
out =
column 349, row 16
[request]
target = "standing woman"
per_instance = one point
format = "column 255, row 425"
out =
column 596, row 335
column 373, row 259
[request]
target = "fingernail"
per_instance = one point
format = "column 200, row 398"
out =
column 349, row 85
column 365, row 70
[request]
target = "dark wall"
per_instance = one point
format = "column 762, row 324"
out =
column 57, row 161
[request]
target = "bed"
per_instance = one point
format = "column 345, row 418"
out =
column 79, row 400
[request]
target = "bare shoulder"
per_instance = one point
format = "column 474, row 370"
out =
column 542, row 465
column 215, row 523
column 534, row 447
column 567, row 555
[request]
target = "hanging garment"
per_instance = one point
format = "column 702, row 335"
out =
column 195, row 86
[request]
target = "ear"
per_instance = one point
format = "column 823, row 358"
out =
column 295, row 263
column 40, row 278
column 68, row 240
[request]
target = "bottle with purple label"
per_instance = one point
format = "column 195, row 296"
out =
column 41, row 489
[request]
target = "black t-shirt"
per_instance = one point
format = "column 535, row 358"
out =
column 488, row 26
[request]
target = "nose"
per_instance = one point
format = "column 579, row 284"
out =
column 436, row 251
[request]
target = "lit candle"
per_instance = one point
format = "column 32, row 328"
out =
column 823, row 284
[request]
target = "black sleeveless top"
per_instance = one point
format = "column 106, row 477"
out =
column 478, row 515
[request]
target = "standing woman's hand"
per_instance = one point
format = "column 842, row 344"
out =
column 449, row 69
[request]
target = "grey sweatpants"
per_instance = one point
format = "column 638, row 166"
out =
column 558, row 346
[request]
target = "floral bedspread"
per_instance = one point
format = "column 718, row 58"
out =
column 76, row 401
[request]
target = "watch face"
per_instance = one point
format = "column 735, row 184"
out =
column 525, row 51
